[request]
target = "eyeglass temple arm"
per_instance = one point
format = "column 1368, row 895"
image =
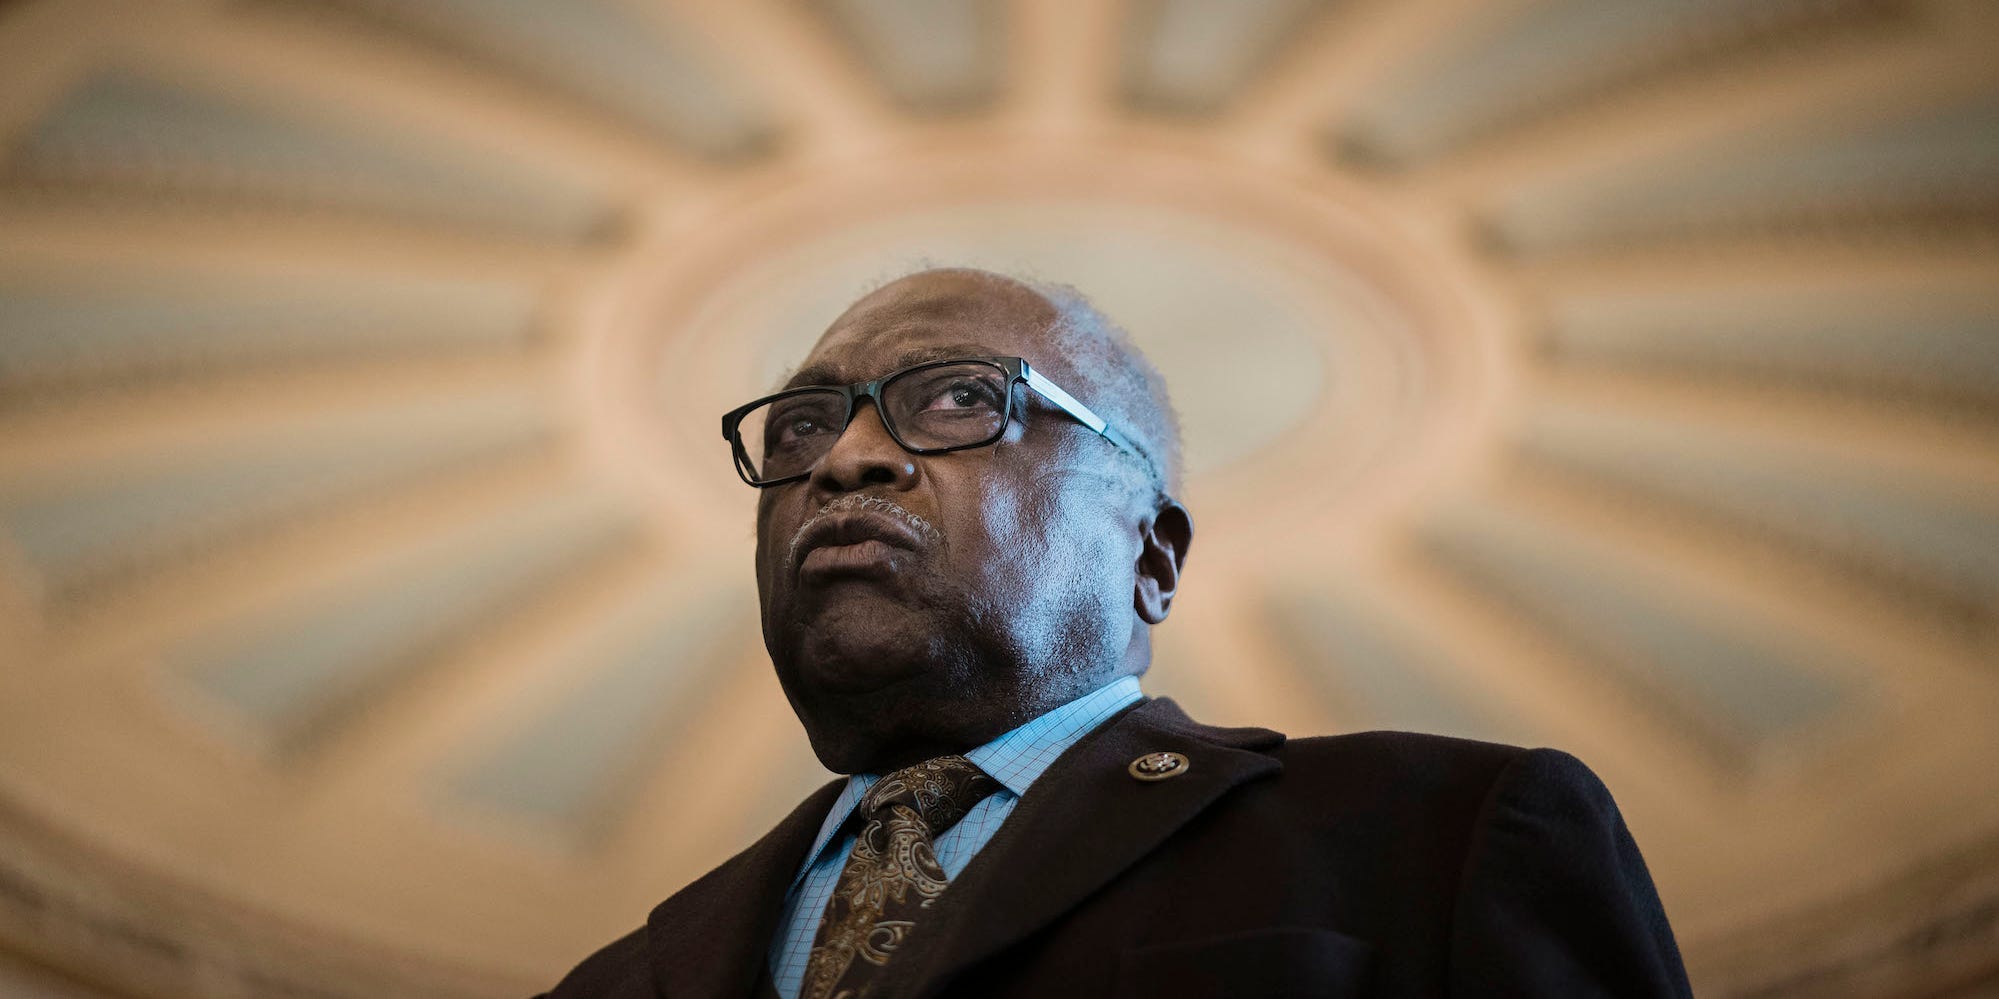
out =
column 1081, row 412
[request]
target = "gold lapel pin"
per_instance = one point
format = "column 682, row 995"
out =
column 1158, row 766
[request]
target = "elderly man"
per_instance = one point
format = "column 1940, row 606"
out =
column 965, row 532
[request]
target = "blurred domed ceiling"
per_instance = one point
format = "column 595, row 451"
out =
column 375, row 604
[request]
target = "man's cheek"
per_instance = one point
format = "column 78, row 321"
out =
column 1013, row 554
column 1085, row 529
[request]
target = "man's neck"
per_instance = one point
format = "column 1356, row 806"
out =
column 915, row 750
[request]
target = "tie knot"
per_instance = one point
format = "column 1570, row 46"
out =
column 939, row 791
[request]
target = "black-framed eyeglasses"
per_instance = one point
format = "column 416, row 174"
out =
column 931, row 408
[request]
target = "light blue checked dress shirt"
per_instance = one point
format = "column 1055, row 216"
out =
column 1015, row 759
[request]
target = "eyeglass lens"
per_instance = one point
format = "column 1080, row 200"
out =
column 961, row 404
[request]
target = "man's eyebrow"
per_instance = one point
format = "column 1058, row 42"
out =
column 827, row 374
column 812, row 374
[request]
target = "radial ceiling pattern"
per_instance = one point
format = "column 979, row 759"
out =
column 375, row 608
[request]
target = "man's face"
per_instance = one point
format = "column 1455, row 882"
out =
column 916, row 605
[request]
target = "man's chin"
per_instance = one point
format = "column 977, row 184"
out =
column 859, row 664
column 856, row 639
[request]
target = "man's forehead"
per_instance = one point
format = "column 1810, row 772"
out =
column 950, row 292
column 837, row 367
column 926, row 318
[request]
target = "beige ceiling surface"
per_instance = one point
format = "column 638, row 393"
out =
column 375, row 607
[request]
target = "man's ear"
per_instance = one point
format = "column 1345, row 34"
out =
column 1164, row 540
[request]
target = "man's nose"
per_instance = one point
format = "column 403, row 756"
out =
column 865, row 455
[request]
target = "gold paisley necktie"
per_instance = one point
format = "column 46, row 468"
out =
column 892, row 874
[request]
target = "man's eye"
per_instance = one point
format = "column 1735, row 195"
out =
column 792, row 430
column 964, row 395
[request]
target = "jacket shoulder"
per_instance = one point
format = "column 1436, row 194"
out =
column 618, row 970
column 1411, row 755
column 1420, row 778
column 1414, row 757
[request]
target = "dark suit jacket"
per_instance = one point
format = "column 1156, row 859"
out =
column 1377, row 864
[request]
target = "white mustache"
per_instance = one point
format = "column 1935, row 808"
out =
column 858, row 501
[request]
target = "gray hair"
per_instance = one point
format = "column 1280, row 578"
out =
column 1118, row 381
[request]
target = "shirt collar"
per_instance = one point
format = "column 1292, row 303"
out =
column 1015, row 759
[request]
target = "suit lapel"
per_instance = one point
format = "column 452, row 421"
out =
column 1082, row 823
column 713, row 936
